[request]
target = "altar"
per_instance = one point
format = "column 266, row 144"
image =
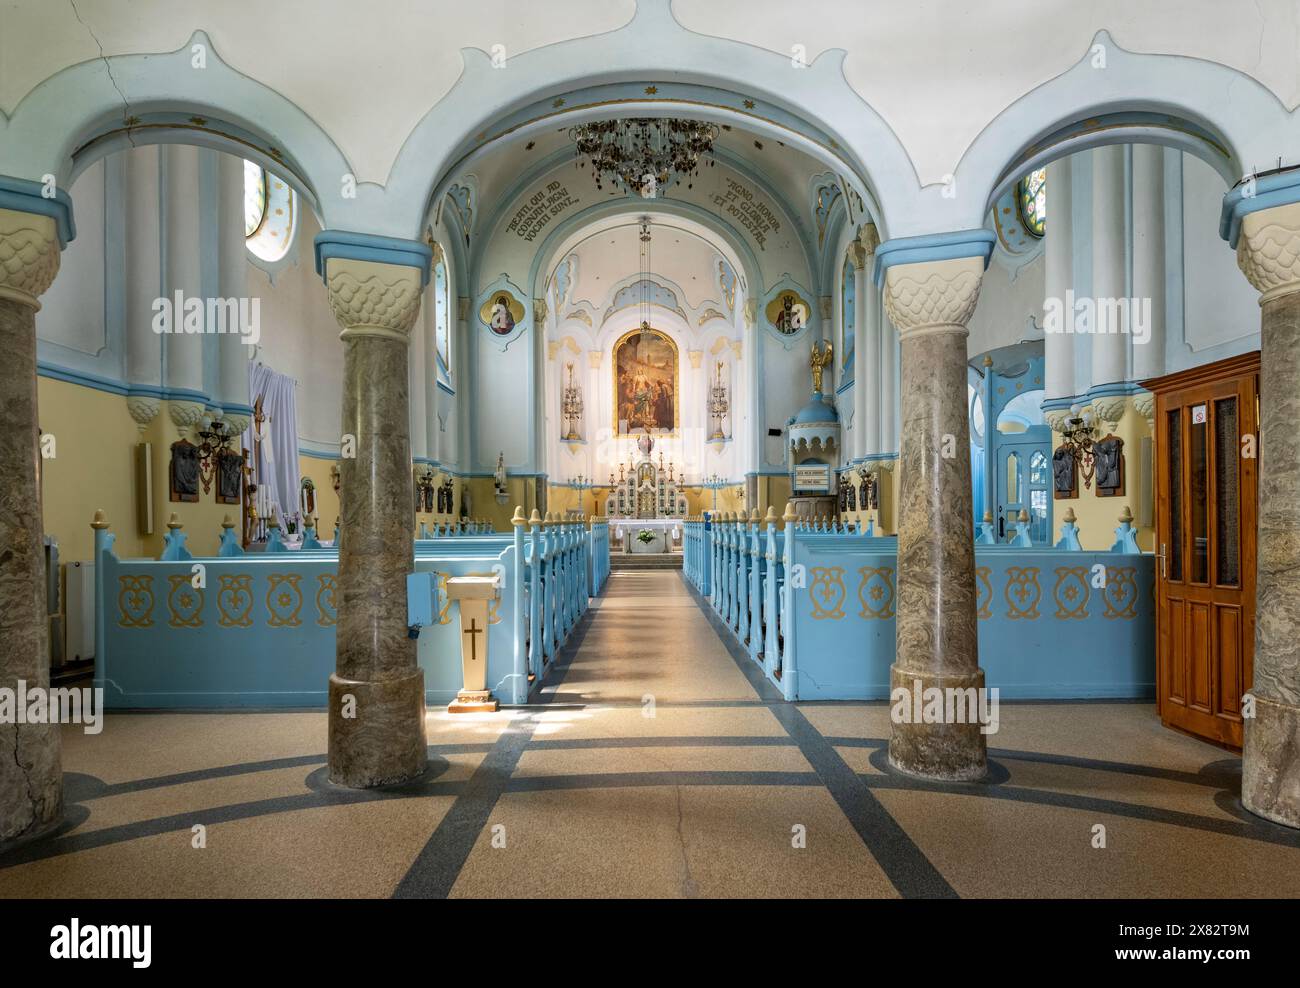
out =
column 665, row 534
column 645, row 491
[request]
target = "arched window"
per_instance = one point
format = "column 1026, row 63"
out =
column 1032, row 198
column 848, row 314
column 442, row 314
column 268, row 213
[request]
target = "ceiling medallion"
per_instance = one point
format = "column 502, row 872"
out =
column 644, row 154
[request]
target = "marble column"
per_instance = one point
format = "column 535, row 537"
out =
column 31, row 773
column 376, row 694
column 1268, row 252
column 930, row 303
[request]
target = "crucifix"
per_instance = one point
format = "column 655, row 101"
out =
column 473, row 595
column 473, row 630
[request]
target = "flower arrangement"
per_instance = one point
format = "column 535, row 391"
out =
column 645, row 536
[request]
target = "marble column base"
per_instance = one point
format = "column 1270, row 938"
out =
column 31, row 774
column 945, row 752
column 1270, row 765
column 385, row 743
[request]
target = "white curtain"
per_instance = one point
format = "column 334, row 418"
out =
column 275, row 467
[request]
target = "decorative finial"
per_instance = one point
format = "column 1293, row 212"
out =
column 988, row 516
column 771, row 518
column 1023, row 517
column 535, row 518
column 174, row 522
column 1126, row 516
column 789, row 515
column 227, row 522
column 1069, row 516
column 518, row 518
column 99, row 521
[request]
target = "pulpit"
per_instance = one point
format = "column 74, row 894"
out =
column 472, row 594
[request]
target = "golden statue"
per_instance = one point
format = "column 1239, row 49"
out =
column 820, row 359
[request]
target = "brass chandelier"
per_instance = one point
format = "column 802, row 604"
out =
column 643, row 154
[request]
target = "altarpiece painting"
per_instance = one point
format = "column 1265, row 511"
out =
column 645, row 384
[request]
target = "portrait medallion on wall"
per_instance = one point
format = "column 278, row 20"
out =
column 645, row 383
column 788, row 312
column 501, row 312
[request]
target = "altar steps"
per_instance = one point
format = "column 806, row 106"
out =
column 645, row 560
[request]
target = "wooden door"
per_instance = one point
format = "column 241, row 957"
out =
column 1206, row 482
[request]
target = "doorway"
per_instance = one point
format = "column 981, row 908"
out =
column 1207, row 427
column 1023, row 481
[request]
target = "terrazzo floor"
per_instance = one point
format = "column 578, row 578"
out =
column 655, row 761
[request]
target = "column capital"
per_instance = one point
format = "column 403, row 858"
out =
column 29, row 255
column 374, row 282
column 1268, row 250
column 932, row 296
column 373, row 299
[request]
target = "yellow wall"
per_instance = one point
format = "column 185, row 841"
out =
column 95, row 439
column 327, row 502
column 884, row 518
column 1098, row 517
column 483, row 501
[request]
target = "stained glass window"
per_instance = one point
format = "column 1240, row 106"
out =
column 269, row 219
column 1033, row 201
column 254, row 197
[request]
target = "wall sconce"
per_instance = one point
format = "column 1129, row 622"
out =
column 215, row 438
column 1077, row 437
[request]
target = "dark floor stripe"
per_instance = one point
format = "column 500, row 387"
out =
column 897, row 854
column 1221, row 774
column 684, row 741
column 902, row 861
column 325, row 795
column 641, row 780
column 438, row 865
column 1255, row 829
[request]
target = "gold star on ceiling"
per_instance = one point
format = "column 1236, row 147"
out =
column 749, row 104
column 651, row 90
column 559, row 102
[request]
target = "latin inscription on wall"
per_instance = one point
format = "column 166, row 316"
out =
column 749, row 210
column 538, row 211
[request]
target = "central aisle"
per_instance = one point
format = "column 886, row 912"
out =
column 647, row 637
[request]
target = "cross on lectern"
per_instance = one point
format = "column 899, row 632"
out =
column 473, row 630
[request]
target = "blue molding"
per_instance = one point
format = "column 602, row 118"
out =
column 933, row 247
column 56, row 373
column 1266, row 192
column 369, row 247
column 26, row 196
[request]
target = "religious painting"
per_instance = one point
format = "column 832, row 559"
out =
column 645, row 383
column 1063, row 474
column 501, row 313
column 1109, row 454
column 788, row 312
column 230, row 477
column 184, row 479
